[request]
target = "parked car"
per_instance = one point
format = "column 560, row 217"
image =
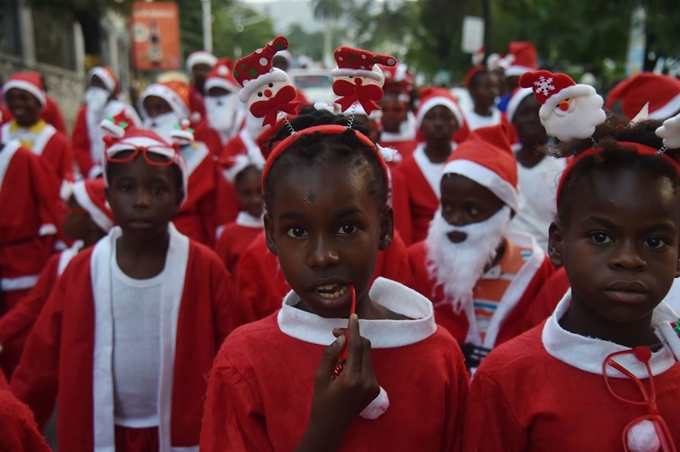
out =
column 315, row 83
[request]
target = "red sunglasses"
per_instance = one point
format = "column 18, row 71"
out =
column 145, row 153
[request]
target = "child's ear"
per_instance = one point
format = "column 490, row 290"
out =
column 555, row 242
column 269, row 233
column 386, row 227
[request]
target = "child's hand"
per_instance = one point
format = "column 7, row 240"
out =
column 339, row 399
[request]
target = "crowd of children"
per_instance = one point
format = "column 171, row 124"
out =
column 227, row 267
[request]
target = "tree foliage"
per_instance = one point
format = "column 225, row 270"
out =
column 229, row 41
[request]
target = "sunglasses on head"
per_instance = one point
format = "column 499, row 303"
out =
column 145, row 150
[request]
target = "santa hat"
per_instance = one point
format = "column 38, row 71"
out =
column 133, row 138
column 360, row 63
column 106, row 75
column 487, row 159
column 660, row 91
column 90, row 194
column 496, row 61
column 521, row 58
column 285, row 54
column 518, row 95
column 26, row 81
column 174, row 92
column 431, row 97
column 221, row 76
column 201, row 57
column 398, row 80
column 256, row 71
column 474, row 70
column 233, row 165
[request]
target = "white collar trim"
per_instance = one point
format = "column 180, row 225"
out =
column 309, row 327
column 249, row 221
column 588, row 354
column 432, row 172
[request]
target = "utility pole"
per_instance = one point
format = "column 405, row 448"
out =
column 207, row 26
column 486, row 9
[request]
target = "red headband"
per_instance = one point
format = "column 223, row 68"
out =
column 640, row 149
column 325, row 130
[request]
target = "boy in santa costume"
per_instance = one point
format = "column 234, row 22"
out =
column 134, row 323
column 165, row 110
column 610, row 349
column 481, row 279
column 25, row 98
column 521, row 58
column 439, row 118
column 661, row 92
column 199, row 64
column 538, row 173
column 18, row 432
column 101, row 101
column 88, row 219
column 31, row 211
column 398, row 123
column 224, row 112
column 483, row 87
column 51, row 113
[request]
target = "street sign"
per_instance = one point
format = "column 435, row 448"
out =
column 473, row 34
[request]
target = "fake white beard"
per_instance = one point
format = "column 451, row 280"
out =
column 163, row 124
column 457, row 267
column 96, row 99
column 253, row 126
column 222, row 111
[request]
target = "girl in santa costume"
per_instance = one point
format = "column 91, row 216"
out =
column 88, row 219
column 25, row 98
column 326, row 189
column 133, row 324
column 398, row 123
column 18, row 432
column 602, row 372
column 100, row 101
column 164, row 107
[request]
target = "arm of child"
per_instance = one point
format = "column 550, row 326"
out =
column 227, row 311
column 489, row 422
column 80, row 141
column 337, row 400
column 35, row 381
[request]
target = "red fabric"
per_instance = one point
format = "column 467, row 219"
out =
column 18, row 432
column 208, row 136
column 554, row 84
column 634, row 92
column 523, row 399
column 402, row 209
column 260, row 394
column 232, row 243
column 196, row 104
column 457, row 324
column 522, row 54
column 405, row 148
column 261, row 285
column 59, row 352
column 283, row 101
column 422, row 201
column 5, row 114
column 137, row 439
column 549, row 296
column 249, row 68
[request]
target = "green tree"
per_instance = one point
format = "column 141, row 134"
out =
column 230, row 39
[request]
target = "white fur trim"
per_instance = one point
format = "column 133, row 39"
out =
column 517, row 99
column 47, row 229
column 579, row 126
column 437, row 101
column 24, row 86
column 98, row 216
column 219, row 82
column 518, row 70
column 642, row 437
column 376, row 73
column 588, row 354
column 95, row 171
column 6, row 155
column 665, row 112
column 67, row 255
column 105, row 77
column 199, row 153
column 171, row 299
column 182, row 137
column 309, row 327
column 112, row 128
column 247, row 220
column 431, row 171
column 670, row 132
column 377, row 407
column 19, row 283
column 486, row 178
column 43, row 138
column 201, row 57
column 566, row 93
column 250, row 87
column 168, row 95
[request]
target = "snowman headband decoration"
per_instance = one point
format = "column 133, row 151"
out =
column 358, row 80
column 572, row 111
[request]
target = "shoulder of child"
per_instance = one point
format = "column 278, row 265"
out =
column 204, row 254
column 251, row 339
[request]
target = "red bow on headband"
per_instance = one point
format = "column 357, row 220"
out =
column 366, row 95
column 270, row 108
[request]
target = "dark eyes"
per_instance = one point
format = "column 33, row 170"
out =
column 655, row 243
column 347, row 229
column 601, row 238
column 296, row 232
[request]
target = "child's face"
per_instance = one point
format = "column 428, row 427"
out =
column 465, row 202
column 326, row 229
column 96, row 82
column 620, row 244
column 77, row 224
column 24, row 106
column 393, row 112
column 155, row 106
column 218, row 91
column 439, row 124
column 144, row 198
column 528, row 122
column 248, row 188
column 485, row 90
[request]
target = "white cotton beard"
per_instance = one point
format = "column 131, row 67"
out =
column 96, row 99
column 163, row 125
column 457, row 267
column 253, row 125
column 222, row 111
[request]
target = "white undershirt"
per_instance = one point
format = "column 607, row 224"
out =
column 136, row 347
column 475, row 121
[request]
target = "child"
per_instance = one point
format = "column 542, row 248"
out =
column 133, row 325
column 538, row 173
column 601, row 373
column 51, row 114
column 483, row 87
column 88, row 219
column 199, row 64
column 18, row 432
column 164, row 107
column 325, row 194
column 439, row 117
column 236, row 237
column 481, row 279
column 101, row 101
column 25, row 98
column 398, row 124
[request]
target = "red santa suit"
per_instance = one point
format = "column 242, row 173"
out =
column 236, row 238
column 71, row 347
column 544, row 390
column 275, row 359
column 261, row 295
column 18, row 432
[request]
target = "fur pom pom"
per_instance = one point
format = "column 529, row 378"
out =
column 642, row 437
column 377, row 407
column 112, row 129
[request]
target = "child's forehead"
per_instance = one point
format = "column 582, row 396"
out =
column 454, row 185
